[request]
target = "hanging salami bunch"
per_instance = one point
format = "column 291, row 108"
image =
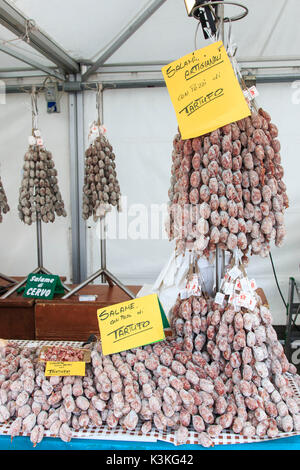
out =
column 101, row 188
column 4, row 207
column 227, row 188
column 39, row 194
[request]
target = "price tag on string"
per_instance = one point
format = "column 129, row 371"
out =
column 193, row 286
column 204, row 91
column 31, row 140
column 244, row 284
column 246, row 300
column 228, row 288
column 219, row 299
column 234, row 272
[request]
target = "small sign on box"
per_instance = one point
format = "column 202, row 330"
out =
column 42, row 286
column 219, row 299
column 64, row 369
column 131, row 324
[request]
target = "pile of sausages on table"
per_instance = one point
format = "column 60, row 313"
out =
column 223, row 368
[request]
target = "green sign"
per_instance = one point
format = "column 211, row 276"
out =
column 43, row 286
column 163, row 315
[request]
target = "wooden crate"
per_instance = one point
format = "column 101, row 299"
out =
column 72, row 320
column 17, row 314
column 17, row 318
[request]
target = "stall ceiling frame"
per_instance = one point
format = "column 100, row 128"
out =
column 17, row 23
column 74, row 77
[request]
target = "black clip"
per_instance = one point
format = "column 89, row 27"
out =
column 91, row 339
column 207, row 19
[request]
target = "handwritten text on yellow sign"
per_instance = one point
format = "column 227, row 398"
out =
column 131, row 324
column 204, row 91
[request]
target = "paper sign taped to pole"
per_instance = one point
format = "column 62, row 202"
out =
column 131, row 324
column 204, row 91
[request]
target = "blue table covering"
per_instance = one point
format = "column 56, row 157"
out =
column 49, row 443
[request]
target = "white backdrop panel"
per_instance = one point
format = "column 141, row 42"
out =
column 17, row 240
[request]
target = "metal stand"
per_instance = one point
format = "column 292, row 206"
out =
column 103, row 273
column 8, row 279
column 106, row 276
column 292, row 331
column 39, row 269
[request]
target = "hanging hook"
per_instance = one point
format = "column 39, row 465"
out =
column 99, row 97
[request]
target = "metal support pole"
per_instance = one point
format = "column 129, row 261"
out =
column 39, row 243
column 220, row 253
column 79, row 262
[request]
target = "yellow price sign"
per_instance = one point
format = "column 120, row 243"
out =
column 204, row 91
column 131, row 324
column 64, row 369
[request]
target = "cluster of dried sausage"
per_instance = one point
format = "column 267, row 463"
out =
column 4, row 207
column 39, row 194
column 222, row 369
column 227, row 188
column 101, row 188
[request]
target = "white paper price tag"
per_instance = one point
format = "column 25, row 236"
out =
column 95, row 130
column 253, row 284
column 234, row 272
column 244, row 284
column 228, row 288
column 184, row 294
column 193, row 286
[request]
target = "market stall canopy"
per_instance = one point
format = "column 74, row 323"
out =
column 84, row 29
